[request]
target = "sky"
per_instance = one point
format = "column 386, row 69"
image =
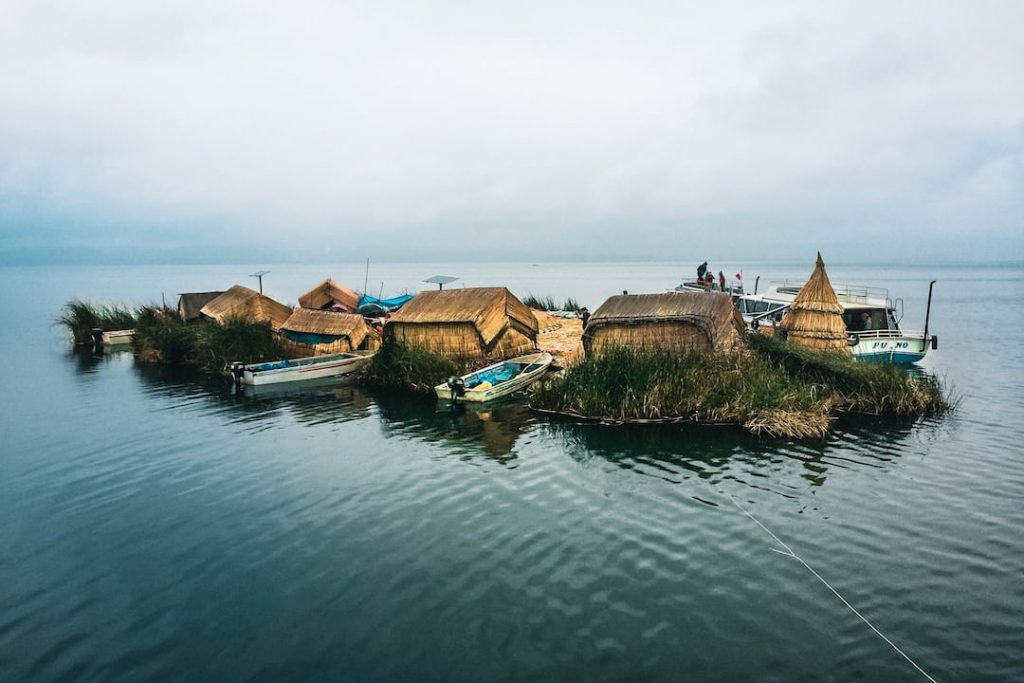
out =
column 209, row 131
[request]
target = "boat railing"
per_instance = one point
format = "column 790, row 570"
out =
column 852, row 293
column 732, row 287
column 887, row 334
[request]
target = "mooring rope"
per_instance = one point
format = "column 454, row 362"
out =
column 789, row 552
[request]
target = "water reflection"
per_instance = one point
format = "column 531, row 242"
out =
column 667, row 451
column 88, row 359
column 492, row 429
column 310, row 403
column 673, row 452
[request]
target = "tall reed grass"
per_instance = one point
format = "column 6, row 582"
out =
column 162, row 337
column 627, row 384
column 771, row 388
column 82, row 317
column 857, row 386
column 236, row 339
column 399, row 366
column 548, row 303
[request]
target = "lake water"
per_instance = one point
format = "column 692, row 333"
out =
column 153, row 526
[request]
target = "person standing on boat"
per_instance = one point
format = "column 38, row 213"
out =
column 721, row 280
column 701, row 270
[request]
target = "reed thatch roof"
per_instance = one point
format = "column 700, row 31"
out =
column 815, row 318
column 329, row 293
column 488, row 309
column 329, row 323
column 191, row 303
column 248, row 304
column 714, row 314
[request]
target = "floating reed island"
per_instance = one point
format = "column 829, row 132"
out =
column 672, row 357
column 686, row 357
column 767, row 386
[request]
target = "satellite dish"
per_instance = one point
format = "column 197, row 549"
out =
column 441, row 280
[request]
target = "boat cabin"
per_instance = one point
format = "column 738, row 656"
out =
column 867, row 319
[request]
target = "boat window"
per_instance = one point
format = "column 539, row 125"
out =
column 754, row 307
column 866, row 319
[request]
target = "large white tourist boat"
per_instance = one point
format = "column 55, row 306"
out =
column 872, row 320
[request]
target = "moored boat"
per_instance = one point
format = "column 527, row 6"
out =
column 112, row 337
column 495, row 381
column 872, row 320
column 301, row 369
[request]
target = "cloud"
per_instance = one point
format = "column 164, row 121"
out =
column 516, row 131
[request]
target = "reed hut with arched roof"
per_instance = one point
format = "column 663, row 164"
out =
column 314, row 333
column 677, row 322
column 330, row 294
column 246, row 304
column 815, row 318
column 474, row 323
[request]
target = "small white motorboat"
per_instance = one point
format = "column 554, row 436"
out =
column 112, row 337
column 495, row 381
column 115, row 337
column 300, row 369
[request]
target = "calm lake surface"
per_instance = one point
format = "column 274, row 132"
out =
column 155, row 526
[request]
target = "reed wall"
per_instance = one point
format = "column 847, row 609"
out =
column 672, row 336
column 459, row 340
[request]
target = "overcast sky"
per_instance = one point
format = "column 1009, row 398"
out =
column 209, row 131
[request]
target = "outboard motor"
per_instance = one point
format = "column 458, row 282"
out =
column 237, row 371
column 97, row 338
column 457, row 386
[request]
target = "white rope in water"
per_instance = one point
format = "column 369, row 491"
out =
column 789, row 553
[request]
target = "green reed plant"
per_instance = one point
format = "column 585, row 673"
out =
column 81, row 317
column 235, row 339
column 873, row 388
column 161, row 336
column 548, row 303
column 628, row 384
column 570, row 304
column 399, row 366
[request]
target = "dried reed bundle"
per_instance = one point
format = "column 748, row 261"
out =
column 815, row 318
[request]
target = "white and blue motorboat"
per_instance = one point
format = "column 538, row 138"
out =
column 495, row 381
column 300, row 369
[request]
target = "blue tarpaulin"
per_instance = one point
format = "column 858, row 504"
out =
column 371, row 304
column 310, row 337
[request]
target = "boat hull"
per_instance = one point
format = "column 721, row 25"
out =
column 118, row 337
column 321, row 367
column 898, row 350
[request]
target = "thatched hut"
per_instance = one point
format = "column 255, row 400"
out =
column 815, row 318
column 473, row 323
column 330, row 295
column 680, row 322
column 247, row 304
column 191, row 303
column 314, row 333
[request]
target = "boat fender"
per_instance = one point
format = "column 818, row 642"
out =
column 935, row 342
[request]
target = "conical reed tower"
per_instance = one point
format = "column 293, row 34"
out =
column 815, row 318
